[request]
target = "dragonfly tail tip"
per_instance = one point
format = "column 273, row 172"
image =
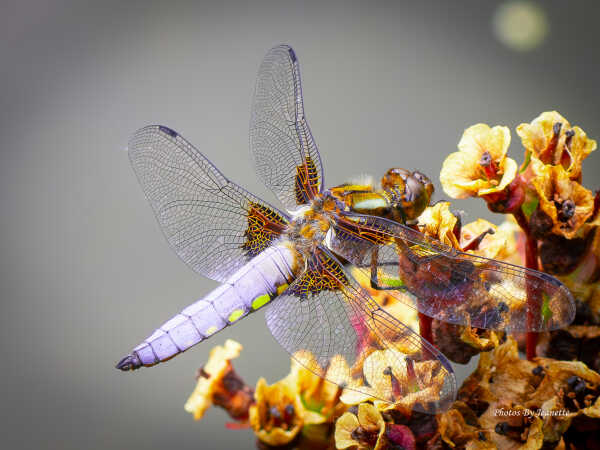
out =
column 130, row 362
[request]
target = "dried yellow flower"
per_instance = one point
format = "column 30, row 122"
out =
column 277, row 415
column 480, row 237
column 481, row 340
column 319, row 393
column 405, row 383
column 568, row 376
column 363, row 430
column 480, row 167
column 459, row 428
column 438, row 222
column 520, row 403
column 551, row 139
column 566, row 202
column 216, row 368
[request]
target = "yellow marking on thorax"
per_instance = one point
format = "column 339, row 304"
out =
column 354, row 187
column 282, row 288
column 369, row 201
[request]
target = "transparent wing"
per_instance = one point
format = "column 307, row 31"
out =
column 284, row 151
column 331, row 326
column 214, row 225
column 450, row 285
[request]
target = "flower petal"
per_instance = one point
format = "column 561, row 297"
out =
column 481, row 166
column 554, row 188
column 438, row 222
column 269, row 417
column 368, row 417
column 480, row 138
column 344, row 427
column 551, row 138
column 216, row 367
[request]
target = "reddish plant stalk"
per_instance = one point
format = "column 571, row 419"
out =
column 425, row 327
column 533, row 301
column 424, row 321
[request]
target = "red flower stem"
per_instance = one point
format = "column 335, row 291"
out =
column 533, row 302
column 425, row 327
column 424, row 321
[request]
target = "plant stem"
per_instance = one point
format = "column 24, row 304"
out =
column 425, row 321
column 425, row 328
column 533, row 302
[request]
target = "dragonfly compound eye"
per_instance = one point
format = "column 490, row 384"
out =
column 417, row 194
column 395, row 179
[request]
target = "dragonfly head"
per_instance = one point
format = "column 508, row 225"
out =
column 410, row 191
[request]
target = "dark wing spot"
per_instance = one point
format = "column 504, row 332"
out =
column 168, row 131
column 292, row 54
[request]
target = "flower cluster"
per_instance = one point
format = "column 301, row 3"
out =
column 303, row 408
column 549, row 179
column 549, row 400
column 558, row 216
column 481, row 238
column 509, row 402
column 278, row 412
column 547, row 185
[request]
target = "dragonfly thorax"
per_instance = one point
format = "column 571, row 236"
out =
column 310, row 224
column 402, row 197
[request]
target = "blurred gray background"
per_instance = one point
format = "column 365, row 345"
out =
column 85, row 272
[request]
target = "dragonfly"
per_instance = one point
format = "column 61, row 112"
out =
column 300, row 264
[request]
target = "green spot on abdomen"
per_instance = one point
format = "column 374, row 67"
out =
column 235, row 315
column 261, row 301
column 211, row 330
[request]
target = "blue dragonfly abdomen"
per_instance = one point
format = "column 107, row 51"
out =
column 251, row 287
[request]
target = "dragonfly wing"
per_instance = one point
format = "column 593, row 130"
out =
column 332, row 327
column 450, row 285
column 284, row 151
column 214, row 225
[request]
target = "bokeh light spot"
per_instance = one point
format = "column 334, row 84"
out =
column 520, row 25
